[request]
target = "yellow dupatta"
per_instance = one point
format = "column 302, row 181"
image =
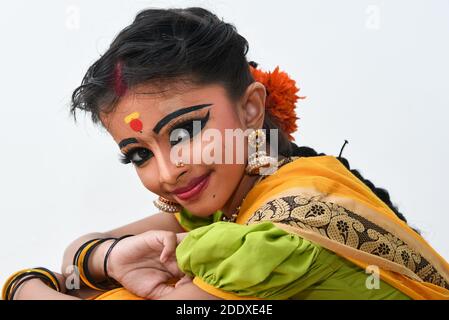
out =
column 322, row 201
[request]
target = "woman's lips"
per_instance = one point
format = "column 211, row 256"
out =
column 194, row 188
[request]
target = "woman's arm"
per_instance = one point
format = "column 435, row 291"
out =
column 36, row 289
column 159, row 221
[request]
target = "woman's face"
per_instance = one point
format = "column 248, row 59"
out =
column 154, row 131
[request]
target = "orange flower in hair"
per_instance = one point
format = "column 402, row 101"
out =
column 281, row 97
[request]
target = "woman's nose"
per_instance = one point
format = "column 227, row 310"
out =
column 169, row 170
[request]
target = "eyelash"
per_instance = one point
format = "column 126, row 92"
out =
column 188, row 122
column 127, row 156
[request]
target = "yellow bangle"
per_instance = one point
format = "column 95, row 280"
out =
column 81, row 264
column 15, row 275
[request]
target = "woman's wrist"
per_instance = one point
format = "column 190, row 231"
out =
column 96, row 260
column 30, row 284
column 36, row 289
column 91, row 259
column 29, row 289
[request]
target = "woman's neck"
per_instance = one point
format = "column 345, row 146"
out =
column 245, row 185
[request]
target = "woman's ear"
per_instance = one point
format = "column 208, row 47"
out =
column 252, row 109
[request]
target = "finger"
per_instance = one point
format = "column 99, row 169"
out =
column 169, row 242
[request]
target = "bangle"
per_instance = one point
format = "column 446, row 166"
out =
column 78, row 268
column 20, row 281
column 52, row 276
column 106, row 257
column 84, row 262
column 78, row 252
column 15, row 280
column 81, row 262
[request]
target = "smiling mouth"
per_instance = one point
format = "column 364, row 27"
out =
column 193, row 189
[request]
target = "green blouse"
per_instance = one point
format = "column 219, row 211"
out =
column 264, row 261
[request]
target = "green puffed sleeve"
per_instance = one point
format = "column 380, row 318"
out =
column 258, row 260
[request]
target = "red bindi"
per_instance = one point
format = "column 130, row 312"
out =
column 136, row 125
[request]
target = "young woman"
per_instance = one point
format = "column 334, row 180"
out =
column 311, row 228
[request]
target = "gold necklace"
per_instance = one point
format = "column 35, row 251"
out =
column 234, row 216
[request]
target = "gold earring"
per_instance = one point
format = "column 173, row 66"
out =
column 166, row 205
column 258, row 159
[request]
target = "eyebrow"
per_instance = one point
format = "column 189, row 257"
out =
column 157, row 128
column 176, row 114
column 127, row 141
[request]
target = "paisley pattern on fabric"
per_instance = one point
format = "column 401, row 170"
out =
column 348, row 228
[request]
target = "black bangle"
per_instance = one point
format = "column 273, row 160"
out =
column 13, row 285
column 58, row 288
column 24, row 279
column 78, row 252
column 85, row 265
column 106, row 257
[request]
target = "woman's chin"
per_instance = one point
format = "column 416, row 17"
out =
column 204, row 207
column 201, row 211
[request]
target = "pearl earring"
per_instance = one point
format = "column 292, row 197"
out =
column 166, row 205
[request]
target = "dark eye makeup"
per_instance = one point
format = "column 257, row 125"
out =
column 178, row 132
column 184, row 130
column 136, row 156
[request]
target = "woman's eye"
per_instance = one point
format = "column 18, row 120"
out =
column 137, row 156
column 179, row 135
column 187, row 130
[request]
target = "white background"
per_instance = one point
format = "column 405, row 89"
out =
column 374, row 72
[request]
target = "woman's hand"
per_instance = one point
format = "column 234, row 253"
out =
column 144, row 263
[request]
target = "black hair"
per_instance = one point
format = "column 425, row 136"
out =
column 162, row 47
